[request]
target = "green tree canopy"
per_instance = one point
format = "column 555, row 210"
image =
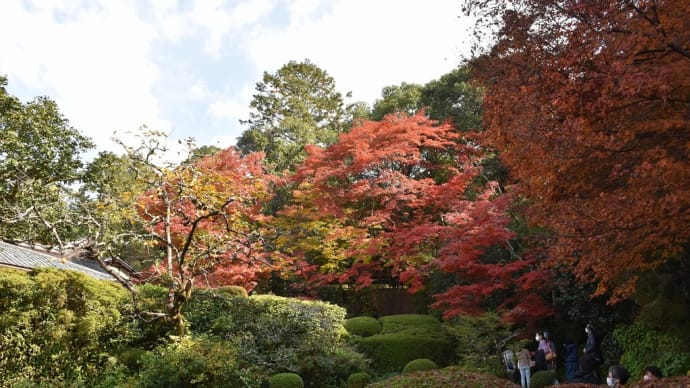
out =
column 405, row 98
column 40, row 157
column 456, row 97
column 453, row 97
column 296, row 106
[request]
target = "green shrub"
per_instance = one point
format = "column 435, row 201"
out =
column 476, row 338
column 404, row 338
column 668, row 349
column 131, row 357
column 358, row 380
column 278, row 334
column 196, row 361
column 232, row 291
column 363, row 326
column 543, row 378
column 50, row 315
column 419, row 364
column 286, row 380
column 152, row 298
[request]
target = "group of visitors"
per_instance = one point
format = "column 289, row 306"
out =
column 578, row 368
column 544, row 358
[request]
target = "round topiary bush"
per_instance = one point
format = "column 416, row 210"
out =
column 542, row 379
column 232, row 291
column 286, row 380
column 419, row 364
column 358, row 380
column 363, row 326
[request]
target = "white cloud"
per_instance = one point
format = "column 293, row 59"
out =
column 366, row 45
column 235, row 106
column 96, row 59
column 92, row 61
column 229, row 109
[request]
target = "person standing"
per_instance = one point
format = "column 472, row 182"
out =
column 524, row 364
column 540, row 354
column 552, row 353
column 572, row 362
column 593, row 348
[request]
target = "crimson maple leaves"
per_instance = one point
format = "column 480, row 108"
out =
column 206, row 214
column 392, row 202
column 405, row 199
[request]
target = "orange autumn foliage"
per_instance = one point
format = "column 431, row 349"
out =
column 588, row 103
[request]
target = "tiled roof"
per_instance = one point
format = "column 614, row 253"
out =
column 16, row 256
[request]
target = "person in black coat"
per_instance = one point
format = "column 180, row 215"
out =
column 593, row 345
column 593, row 348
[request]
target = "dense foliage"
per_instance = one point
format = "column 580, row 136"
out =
column 279, row 334
column 587, row 103
column 363, row 326
column 40, row 156
column 419, row 364
column 396, row 199
column 296, row 106
column 196, row 361
column 642, row 346
column 60, row 326
column 480, row 339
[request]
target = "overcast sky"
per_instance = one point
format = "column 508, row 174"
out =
column 189, row 68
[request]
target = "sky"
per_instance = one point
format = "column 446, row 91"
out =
column 189, row 68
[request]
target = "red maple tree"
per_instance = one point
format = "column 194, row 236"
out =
column 588, row 103
column 206, row 216
column 403, row 197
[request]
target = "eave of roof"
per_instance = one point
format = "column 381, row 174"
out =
column 20, row 257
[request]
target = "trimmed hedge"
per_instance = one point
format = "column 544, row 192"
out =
column 363, row 326
column 358, row 380
column 543, row 378
column 404, row 338
column 232, row 291
column 419, row 364
column 286, row 380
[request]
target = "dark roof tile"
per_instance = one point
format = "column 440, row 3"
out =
column 15, row 256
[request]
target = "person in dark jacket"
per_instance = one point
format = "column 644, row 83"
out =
column 572, row 361
column 587, row 373
column 593, row 347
